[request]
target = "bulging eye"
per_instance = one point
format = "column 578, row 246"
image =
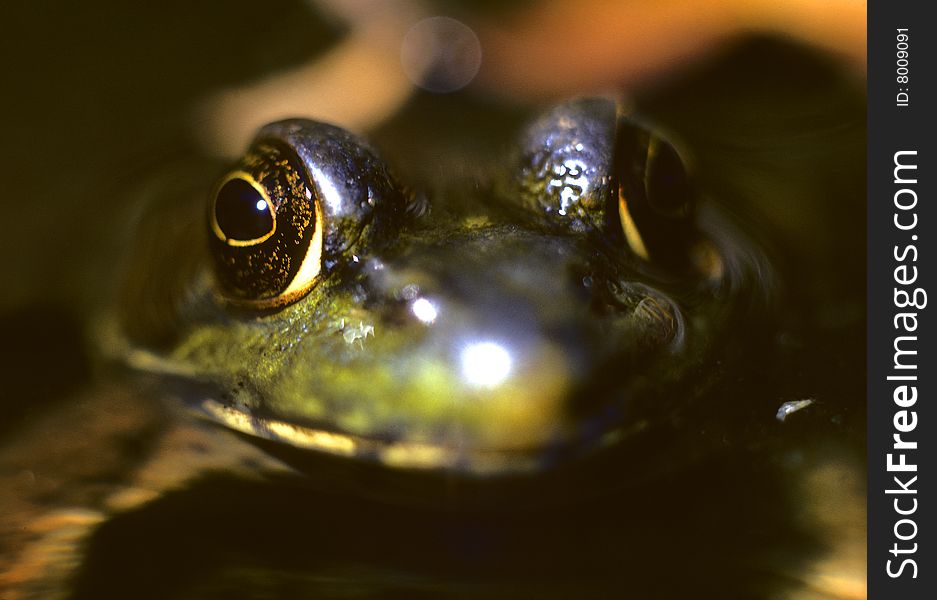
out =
column 297, row 201
column 563, row 163
column 656, row 197
column 666, row 182
column 589, row 166
column 267, row 228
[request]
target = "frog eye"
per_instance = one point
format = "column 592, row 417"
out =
column 244, row 214
column 588, row 166
column 298, row 200
column 666, row 181
column 656, row 197
column 266, row 229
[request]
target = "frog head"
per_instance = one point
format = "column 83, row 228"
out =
column 562, row 305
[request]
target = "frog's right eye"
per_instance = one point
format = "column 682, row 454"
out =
column 295, row 204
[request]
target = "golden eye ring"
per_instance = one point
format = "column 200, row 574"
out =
column 266, row 229
column 298, row 202
column 305, row 278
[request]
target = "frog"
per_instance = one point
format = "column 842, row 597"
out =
column 326, row 307
column 502, row 384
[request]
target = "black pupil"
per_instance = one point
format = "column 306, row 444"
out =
column 668, row 187
column 241, row 211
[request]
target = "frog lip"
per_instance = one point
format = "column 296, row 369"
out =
column 398, row 454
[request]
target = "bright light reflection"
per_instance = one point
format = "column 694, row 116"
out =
column 261, row 205
column 485, row 364
column 424, row 310
column 329, row 193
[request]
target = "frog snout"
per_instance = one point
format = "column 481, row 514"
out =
column 487, row 350
column 510, row 342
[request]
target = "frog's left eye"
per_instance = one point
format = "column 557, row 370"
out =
column 298, row 200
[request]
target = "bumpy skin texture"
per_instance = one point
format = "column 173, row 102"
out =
column 353, row 184
column 565, row 162
column 504, row 340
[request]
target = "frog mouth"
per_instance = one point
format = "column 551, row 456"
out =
column 396, row 454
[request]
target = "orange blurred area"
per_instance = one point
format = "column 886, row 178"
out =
column 571, row 46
